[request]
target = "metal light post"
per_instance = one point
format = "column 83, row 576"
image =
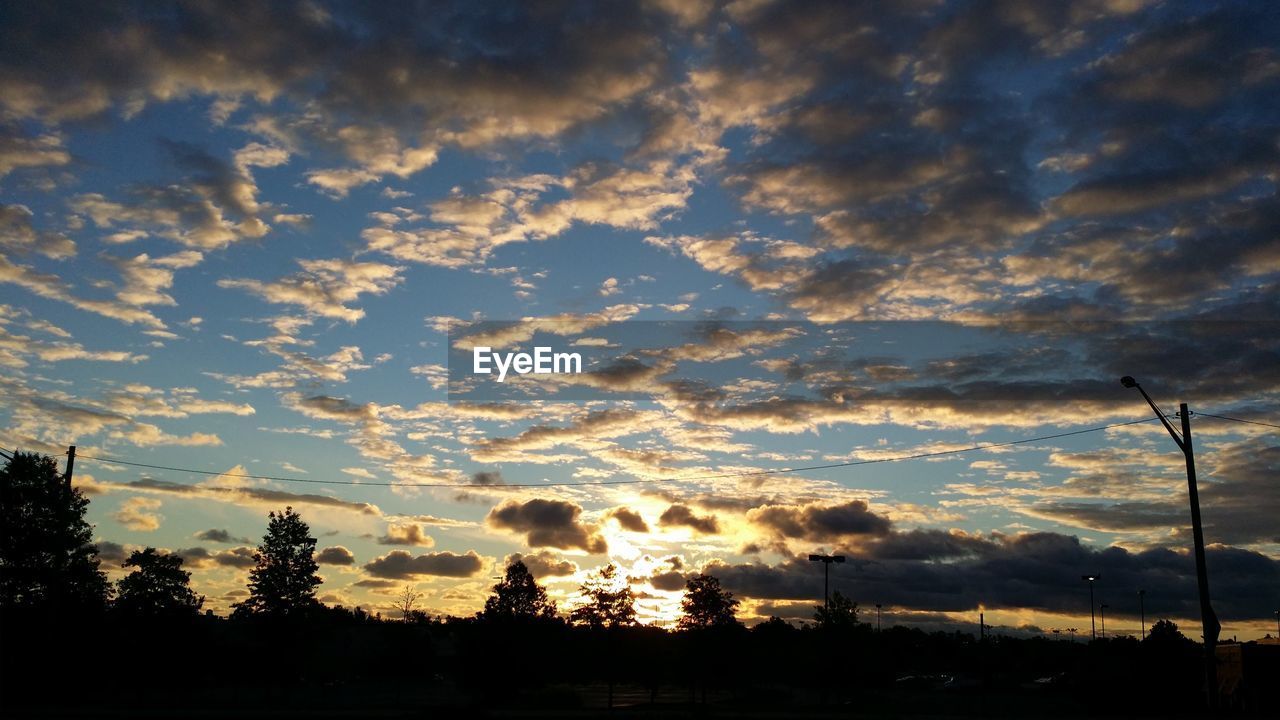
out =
column 1142, row 611
column 1103, row 610
column 1208, row 619
column 877, row 617
column 826, row 561
column 1072, row 633
column 1093, row 625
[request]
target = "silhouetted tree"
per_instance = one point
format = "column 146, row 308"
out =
column 840, row 612
column 706, row 604
column 1166, row 633
column 284, row 581
column 518, row 597
column 158, row 587
column 405, row 601
column 609, row 601
column 47, row 559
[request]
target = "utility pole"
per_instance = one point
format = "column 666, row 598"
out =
column 71, row 465
column 1208, row 619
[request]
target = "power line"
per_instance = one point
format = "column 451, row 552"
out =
column 634, row 481
column 1239, row 420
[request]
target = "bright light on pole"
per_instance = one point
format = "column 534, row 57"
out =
column 1093, row 626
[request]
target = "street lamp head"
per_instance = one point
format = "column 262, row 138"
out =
column 815, row 558
column 1090, row 578
column 838, row 558
column 1128, row 381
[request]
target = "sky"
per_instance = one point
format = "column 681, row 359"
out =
column 259, row 240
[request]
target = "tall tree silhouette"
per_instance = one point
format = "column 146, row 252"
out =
column 158, row 587
column 841, row 613
column 706, row 604
column 47, row 559
column 609, row 601
column 518, row 597
column 284, row 581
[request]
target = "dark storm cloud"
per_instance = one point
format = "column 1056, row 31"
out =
column 547, row 523
column 682, row 516
column 398, row 565
column 820, row 522
column 336, row 555
column 1039, row 571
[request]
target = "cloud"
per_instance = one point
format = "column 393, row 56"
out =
column 670, row 581
column 262, row 496
column 547, row 523
column 1033, row 571
column 406, row 534
column 336, row 555
column 543, row 563
column 219, row 536
column 628, row 519
column 144, row 281
column 681, row 516
column 22, row 150
column 822, row 523
column 324, row 287
column 399, row 564
column 18, row 235
column 136, row 513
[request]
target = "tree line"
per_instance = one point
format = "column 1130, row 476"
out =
column 58, row 608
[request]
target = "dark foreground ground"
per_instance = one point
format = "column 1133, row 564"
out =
column 220, row 669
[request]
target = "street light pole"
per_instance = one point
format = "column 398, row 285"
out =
column 1142, row 611
column 1103, row 609
column 826, row 561
column 1093, row 625
column 1208, row 619
column 877, row 617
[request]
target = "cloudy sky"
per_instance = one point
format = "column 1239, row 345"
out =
column 236, row 241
